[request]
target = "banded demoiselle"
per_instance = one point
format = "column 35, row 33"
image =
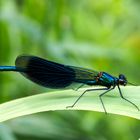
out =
column 54, row 75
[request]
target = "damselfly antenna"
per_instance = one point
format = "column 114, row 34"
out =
column 132, row 84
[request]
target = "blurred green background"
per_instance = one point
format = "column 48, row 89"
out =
column 102, row 35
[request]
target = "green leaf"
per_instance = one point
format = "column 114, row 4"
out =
column 59, row 100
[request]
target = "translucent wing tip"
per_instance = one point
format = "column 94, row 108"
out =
column 22, row 61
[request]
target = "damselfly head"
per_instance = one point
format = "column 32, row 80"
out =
column 122, row 80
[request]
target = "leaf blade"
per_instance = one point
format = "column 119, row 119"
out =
column 59, row 100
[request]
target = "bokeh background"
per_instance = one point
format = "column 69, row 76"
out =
column 102, row 35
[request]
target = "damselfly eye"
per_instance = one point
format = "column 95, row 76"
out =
column 121, row 76
column 122, row 80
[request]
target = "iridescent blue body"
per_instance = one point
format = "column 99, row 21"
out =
column 10, row 68
column 54, row 75
column 104, row 79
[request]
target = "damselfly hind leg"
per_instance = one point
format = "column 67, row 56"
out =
column 76, row 89
column 88, row 90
